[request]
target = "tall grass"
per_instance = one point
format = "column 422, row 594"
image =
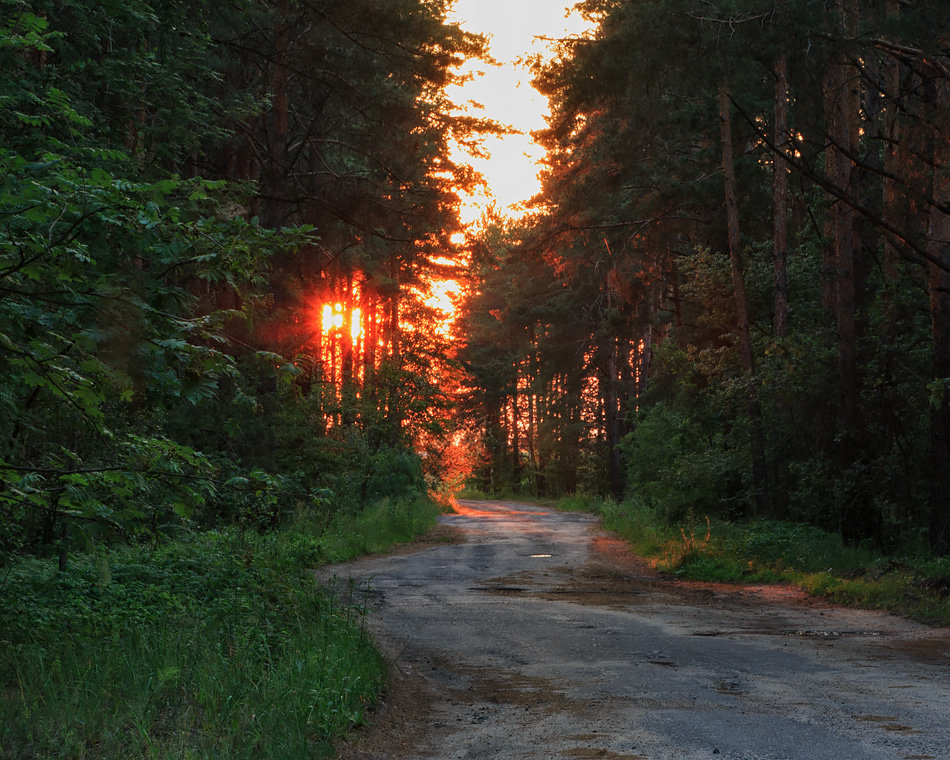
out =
column 214, row 645
column 773, row 551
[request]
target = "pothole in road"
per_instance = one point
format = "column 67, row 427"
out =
column 733, row 688
column 821, row 634
column 498, row 589
column 804, row 634
column 591, row 752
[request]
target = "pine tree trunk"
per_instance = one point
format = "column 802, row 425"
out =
column 276, row 211
column 346, row 339
column 393, row 326
column 780, row 198
column 515, row 437
column 757, row 437
column 831, row 86
column 938, row 247
column 891, row 193
column 573, row 386
column 370, row 337
column 531, row 435
column 844, row 132
column 611, row 402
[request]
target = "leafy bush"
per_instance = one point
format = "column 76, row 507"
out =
column 678, row 463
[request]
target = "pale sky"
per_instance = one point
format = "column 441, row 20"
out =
column 506, row 92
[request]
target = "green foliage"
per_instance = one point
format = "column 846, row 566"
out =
column 616, row 306
column 133, row 290
column 214, row 643
column 680, row 462
column 200, row 647
column 101, row 252
column 379, row 526
column 156, row 437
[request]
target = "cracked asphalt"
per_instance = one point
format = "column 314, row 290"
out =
column 538, row 635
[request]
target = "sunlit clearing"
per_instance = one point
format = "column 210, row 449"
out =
column 504, row 93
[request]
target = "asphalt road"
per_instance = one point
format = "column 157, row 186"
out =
column 538, row 636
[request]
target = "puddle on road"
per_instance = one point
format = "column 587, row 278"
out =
column 887, row 722
column 933, row 650
column 592, row 752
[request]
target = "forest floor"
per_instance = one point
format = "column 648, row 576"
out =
column 541, row 636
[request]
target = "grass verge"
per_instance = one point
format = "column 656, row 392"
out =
column 218, row 644
column 772, row 551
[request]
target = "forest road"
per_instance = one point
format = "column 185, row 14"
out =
column 542, row 637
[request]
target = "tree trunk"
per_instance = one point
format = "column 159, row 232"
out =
column 611, row 402
column 891, row 193
column 573, row 385
column 531, row 435
column 276, row 211
column 347, row 344
column 370, row 337
column 938, row 246
column 780, row 198
column 844, row 133
column 515, row 437
column 757, row 438
column 393, row 326
column 831, row 86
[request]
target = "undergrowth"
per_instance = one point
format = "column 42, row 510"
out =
column 218, row 644
column 772, row 551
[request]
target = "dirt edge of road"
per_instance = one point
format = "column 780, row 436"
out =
column 393, row 724
column 440, row 535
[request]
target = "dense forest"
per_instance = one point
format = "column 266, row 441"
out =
column 223, row 228
column 733, row 296
column 218, row 226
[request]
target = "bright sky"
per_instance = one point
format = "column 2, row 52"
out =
column 505, row 92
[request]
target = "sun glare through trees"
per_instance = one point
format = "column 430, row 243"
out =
column 502, row 91
column 499, row 90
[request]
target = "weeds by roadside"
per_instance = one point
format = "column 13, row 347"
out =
column 218, row 644
column 772, row 551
